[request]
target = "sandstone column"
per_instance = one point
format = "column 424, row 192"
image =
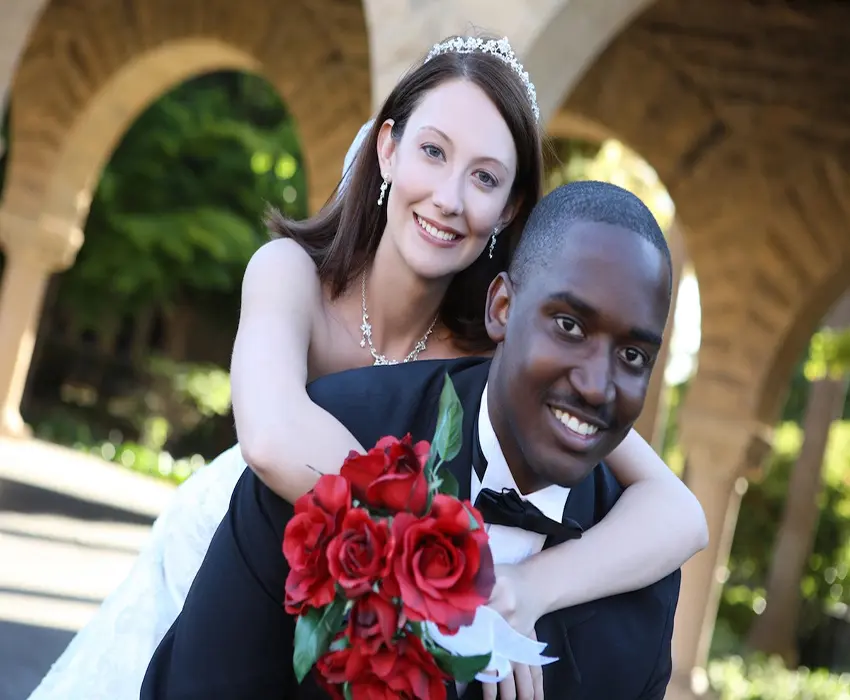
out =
column 34, row 251
column 653, row 417
column 720, row 451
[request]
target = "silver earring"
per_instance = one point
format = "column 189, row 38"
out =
column 493, row 241
column 384, row 186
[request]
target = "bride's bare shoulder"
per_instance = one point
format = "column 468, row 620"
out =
column 282, row 268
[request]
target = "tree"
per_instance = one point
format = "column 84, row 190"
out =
column 775, row 630
column 174, row 220
column 178, row 211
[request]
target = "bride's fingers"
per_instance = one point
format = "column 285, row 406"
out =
column 488, row 691
column 507, row 688
column 537, row 682
column 536, row 674
column 524, row 682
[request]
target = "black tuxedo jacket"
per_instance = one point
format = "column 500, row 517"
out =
column 233, row 639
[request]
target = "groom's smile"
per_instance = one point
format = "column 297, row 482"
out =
column 578, row 341
column 578, row 435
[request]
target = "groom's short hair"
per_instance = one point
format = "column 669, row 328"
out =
column 587, row 201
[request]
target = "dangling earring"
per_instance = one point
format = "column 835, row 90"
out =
column 493, row 241
column 384, row 186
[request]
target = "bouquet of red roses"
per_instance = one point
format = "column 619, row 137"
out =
column 375, row 553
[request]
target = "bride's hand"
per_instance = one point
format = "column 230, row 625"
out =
column 520, row 612
column 512, row 599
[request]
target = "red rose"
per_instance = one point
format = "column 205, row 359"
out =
column 318, row 517
column 442, row 568
column 338, row 667
column 409, row 670
column 391, row 475
column 373, row 622
column 404, row 670
column 358, row 556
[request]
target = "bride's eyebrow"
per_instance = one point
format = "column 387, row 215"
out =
column 442, row 134
column 437, row 131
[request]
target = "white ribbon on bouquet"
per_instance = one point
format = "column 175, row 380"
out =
column 489, row 633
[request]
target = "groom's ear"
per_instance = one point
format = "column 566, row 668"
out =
column 498, row 307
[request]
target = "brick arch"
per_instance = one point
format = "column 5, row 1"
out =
column 761, row 209
column 575, row 33
column 19, row 17
column 91, row 68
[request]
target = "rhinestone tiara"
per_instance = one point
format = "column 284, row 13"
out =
column 500, row 48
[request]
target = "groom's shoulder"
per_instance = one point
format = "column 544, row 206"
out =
column 607, row 491
column 372, row 387
column 664, row 593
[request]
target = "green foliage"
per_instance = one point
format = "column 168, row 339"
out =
column 314, row 632
column 158, row 414
column 829, row 355
column 734, row 678
column 826, row 580
column 178, row 211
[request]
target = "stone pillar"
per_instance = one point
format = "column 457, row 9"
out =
column 651, row 422
column 34, row 251
column 720, row 452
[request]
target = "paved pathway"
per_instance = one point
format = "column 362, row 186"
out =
column 62, row 550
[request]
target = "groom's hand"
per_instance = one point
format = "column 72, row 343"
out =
column 520, row 612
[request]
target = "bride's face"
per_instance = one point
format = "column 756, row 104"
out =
column 451, row 176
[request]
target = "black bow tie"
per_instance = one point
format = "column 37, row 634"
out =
column 507, row 508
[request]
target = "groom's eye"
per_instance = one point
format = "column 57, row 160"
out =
column 570, row 326
column 635, row 358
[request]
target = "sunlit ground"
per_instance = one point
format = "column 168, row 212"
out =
column 61, row 553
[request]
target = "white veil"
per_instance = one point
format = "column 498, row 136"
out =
column 353, row 150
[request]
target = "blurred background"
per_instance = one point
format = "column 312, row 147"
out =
column 142, row 141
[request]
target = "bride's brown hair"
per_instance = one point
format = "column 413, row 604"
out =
column 343, row 236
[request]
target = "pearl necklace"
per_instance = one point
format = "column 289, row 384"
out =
column 366, row 329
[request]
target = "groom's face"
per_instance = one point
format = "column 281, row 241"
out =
column 578, row 336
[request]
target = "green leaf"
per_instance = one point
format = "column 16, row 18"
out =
column 339, row 644
column 313, row 634
column 448, row 484
column 473, row 523
column 448, row 437
column 461, row 668
column 431, row 465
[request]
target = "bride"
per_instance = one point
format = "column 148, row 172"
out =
column 395, row 267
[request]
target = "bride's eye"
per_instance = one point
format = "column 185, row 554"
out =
column 486, row 179
column 432, row 151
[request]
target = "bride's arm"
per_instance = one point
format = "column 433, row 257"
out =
column 280, row 430
column 654, row 528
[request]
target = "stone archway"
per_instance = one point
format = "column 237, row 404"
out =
column 759, row 176
column 19, row 17
column 91, row 68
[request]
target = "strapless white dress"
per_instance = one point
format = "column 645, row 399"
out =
column 108, row 658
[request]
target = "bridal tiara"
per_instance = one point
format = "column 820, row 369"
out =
column 500, row 48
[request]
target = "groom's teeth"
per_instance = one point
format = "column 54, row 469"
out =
column 434, row 231
column 574, row 424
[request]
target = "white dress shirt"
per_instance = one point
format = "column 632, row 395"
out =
column 510, row 544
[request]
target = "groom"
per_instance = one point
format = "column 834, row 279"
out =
column 578, row 321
